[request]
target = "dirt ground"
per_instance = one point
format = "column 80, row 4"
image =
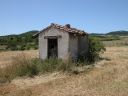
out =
column 109, row 77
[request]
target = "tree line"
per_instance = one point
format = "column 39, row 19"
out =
column 23, row 41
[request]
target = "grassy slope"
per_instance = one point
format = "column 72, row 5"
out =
column 108, row 78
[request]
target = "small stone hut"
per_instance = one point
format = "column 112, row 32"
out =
column 62, row 41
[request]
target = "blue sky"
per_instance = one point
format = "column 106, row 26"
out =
column 93, row 16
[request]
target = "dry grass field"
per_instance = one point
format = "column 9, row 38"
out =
column 7, row 57
column 122, row 42
column 109, row 77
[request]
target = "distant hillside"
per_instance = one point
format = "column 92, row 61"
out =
column 121, row 33
column 25, row 41
column 96, row 34
column 110, row 36
column 22, row 41
column 29, row 33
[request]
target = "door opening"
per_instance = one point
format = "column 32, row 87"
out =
column 52, row 48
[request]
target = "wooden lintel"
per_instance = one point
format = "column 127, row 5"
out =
column 52, row 37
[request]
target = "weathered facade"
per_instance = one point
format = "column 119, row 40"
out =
column 62, row 42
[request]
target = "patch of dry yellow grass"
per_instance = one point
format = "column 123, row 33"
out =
column 108, row 78
column 122, row 42
column 7, row 56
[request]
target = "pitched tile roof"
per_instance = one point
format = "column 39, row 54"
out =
column 65, row 28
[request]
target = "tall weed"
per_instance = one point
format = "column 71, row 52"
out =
column 23, row 65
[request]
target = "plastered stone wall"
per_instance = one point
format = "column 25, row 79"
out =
column 83, row 45
column 63, row 43
column 73, row 46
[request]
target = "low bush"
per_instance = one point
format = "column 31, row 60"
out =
column 95, row 48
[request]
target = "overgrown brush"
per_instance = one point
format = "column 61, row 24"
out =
column 21, row 66
column 95, row 49
column 27, row 66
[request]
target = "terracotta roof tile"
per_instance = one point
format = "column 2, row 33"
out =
column 65, row 28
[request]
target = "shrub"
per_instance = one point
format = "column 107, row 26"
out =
column 95, row 48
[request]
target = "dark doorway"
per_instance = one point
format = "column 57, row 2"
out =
column 52, row 48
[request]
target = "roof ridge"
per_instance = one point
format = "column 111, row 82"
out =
column 66, row 28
